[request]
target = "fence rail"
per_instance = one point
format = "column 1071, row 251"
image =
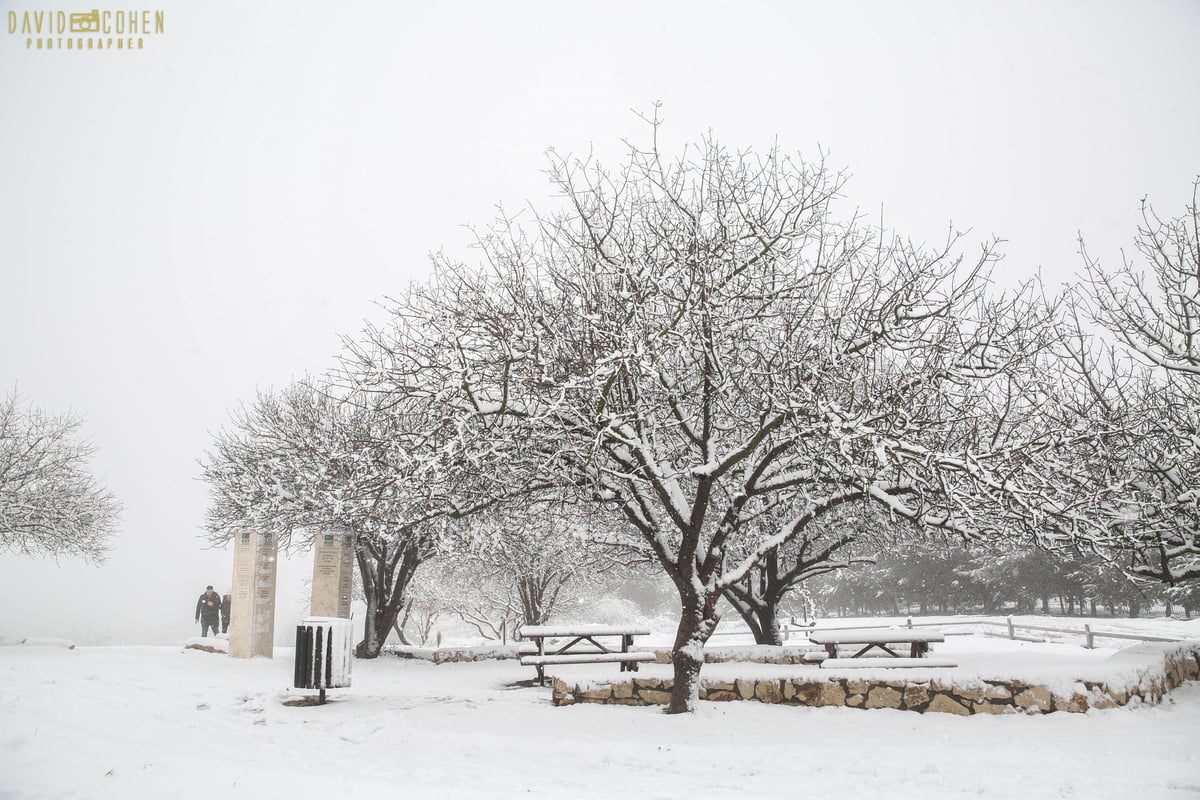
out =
column 1087, row 632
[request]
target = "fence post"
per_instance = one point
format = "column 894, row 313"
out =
column 1011, row 632
column 1087, row 632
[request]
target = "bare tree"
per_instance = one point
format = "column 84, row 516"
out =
column 544, row 551
column 488, row 602
column 837, row 541
column 515, row 565
column 50, row 503
column 1155, row 313
column 697, row 344
column 427, row 601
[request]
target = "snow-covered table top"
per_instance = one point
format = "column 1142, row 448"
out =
column 547, row 631
column 874, row 636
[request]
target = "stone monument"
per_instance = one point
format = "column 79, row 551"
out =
column 333, row 572
column 252, row 614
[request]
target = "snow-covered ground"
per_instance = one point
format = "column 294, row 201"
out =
column 162, row 722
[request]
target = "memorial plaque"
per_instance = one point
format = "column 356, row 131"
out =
column 252, row 611
column 333, row 573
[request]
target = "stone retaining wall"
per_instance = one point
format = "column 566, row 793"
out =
column 750, row 654
column 974, row 696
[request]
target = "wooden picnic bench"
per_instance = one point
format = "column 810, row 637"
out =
column 885, row 641
column 583, row 644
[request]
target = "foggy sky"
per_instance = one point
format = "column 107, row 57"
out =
column 184, row 225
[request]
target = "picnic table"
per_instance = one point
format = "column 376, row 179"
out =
column 583, row 644
column 885, row 641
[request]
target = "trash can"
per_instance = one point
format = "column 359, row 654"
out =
column 323, row 653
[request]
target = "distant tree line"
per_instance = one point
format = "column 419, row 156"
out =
column 955, row 580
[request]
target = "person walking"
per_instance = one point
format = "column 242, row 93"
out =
column 226, row 604
column 208, row 611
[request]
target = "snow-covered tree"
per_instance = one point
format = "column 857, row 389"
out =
column 1144, row 393
column 309, row 458
column 860, row 590
column 1186, row 595
column 696, row 343
column 50, row 502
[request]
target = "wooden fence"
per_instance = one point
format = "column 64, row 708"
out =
column 989, row 626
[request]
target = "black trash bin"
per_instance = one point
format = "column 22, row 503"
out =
column 323, row 654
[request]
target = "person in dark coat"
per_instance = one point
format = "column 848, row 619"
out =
column 208, row 611
column 226, row 603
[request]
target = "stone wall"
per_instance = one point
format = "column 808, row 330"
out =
column 747, row 654
column 453, row 655
column 1169, row 666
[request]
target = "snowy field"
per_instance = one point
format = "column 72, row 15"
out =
column 170, row 722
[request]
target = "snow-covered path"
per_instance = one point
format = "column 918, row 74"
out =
column 162, row 722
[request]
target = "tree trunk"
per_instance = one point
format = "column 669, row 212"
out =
column 370, row 645
column 529, row 589
column 696, row 625
column 386, row 573
column 373, row 637
column 378, row 624
column 398, row 627
column 759, row 612
column 768, row 624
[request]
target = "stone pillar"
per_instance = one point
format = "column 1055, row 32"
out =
column 333, row 574
column 252, row 613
